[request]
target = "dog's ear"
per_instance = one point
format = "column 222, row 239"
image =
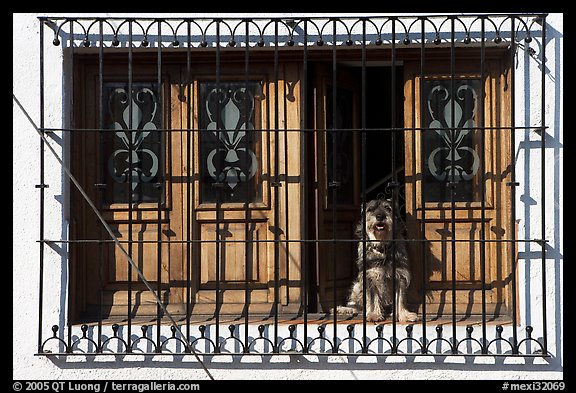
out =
column 358, row 231
column 395, row 206
column 360, row 222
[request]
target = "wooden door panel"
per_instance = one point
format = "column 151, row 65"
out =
column 346, row 252
column 468, row 302
column 429, row 162
column 347, row 165
column 144, row 255
column 233, row 257
column 242, row 173
column 107, row 178
column 231, row 299
column 467, row 254
column 276, row 104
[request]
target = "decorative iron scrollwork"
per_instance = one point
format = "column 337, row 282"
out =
column 233, row 121
column 229, row 157
column 451, row 138
column 453, row 128
column 135, row 156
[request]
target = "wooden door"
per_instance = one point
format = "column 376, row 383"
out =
column 335, row 140
column 240, row 137
column 129, row 176
column 481, row 163
column 242, row 134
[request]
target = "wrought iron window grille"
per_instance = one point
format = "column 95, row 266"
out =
column 353, row 40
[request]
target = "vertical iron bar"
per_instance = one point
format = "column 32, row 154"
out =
column 483, row 182
column 100, row 179
column 335, row 178
column 69, row 284
column 101, row 290
column 218, row 193
column 247, row 214
column 304, row 171
column 189, row 209
column 365, row 339
column 395, row 203
column 160, row 188
column 276, row 191
column 129, row 186
column 286, row 185
column 41, row 229
column 453, row 178
column 543, row 185
column 424, row 244
column 513, row 180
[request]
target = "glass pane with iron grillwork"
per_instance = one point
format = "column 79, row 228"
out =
column 451, row 144
column 133, row 159
column 229, row 146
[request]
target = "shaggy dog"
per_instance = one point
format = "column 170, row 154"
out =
column 379, row 266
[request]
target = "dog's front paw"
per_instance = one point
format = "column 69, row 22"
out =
column 345, row 310
column 374, row 317
column 407, row 316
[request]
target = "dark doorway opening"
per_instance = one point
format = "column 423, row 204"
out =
column 382, row 100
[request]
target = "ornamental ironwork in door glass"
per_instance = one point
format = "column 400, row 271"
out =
column 133, row 159
column 229, row 146
column 451, row 142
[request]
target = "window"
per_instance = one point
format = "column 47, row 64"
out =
column 438, row 146
column 228, row 110
column 235, row 175
column 132, row 157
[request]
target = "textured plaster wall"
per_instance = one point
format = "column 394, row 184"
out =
column 25, row 149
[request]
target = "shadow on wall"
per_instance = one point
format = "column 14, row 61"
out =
column 530, row 148
column 310, row 362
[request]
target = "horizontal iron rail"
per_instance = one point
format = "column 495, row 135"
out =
column 539, row 241
column 281, row 18
column 359, row 353
column 437, row 346
column 111, row 130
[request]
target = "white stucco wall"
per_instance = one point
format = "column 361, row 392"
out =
column 26, row 249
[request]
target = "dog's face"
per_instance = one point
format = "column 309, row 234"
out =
column 379, row 219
